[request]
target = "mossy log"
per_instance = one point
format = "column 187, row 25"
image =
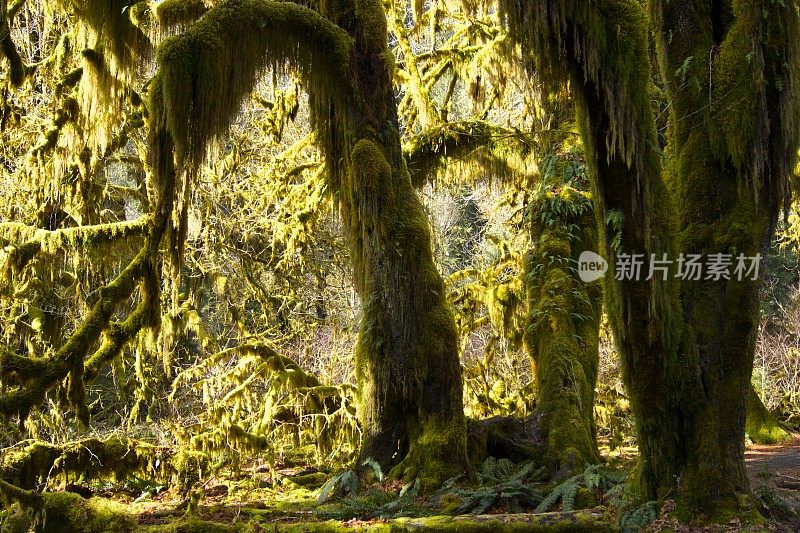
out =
column 59, row 512
column 587, row 521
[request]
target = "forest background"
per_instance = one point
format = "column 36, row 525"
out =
column 243, row 388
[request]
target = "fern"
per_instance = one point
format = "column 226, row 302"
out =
column 372, row 463
column 595, row 477
column 637, row 518
column 614, row 221
column 565, row 492
column 502, row 483
column 342, row 483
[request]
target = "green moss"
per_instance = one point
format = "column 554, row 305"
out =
column 371, row 21
column 190, row 525
column 762, row 427
column 65, row 511
column 222, row 56
column 175, row 12
column 370, row 168
column 563, row 324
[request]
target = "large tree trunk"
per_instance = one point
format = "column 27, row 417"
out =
column 687, row 349
column 407, row 363
column 563, row 327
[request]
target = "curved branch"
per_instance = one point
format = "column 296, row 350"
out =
column 430, row 150
column 20, row 401
column 205, row 74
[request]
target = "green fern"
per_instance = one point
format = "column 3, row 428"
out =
column 372, row 463
column 342, row 483
column 637, row 518
column 595, row 477
column 502, row 484
column 565, row 492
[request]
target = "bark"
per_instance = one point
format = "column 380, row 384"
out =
column 687, row 349
column 407, row 364
column 563, row 330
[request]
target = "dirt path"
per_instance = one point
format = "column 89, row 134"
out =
column 781, row 460
column 774, row 472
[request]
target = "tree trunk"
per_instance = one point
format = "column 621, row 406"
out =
column 686, row 348
column 563, row 327
column 407, row 364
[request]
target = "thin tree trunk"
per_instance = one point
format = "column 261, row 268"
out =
column 563, row 329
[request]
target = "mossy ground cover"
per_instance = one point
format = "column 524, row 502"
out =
column 287, row 498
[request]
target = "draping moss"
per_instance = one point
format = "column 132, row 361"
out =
column 32, row 465
column 686, row 350
column 205, row 73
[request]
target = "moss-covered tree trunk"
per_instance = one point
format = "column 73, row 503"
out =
column 563, row 330
column 731, row 70
column 411, row 411
column 407, row 364
column 762, row 426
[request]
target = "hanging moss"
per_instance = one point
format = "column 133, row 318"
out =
column 205, row 73
column 611, row 55
column 83, row 237
column 112, row 26
column 343, row 62
column 176, row 13
column 437, row 146
column 33, row 465
column 20, row 401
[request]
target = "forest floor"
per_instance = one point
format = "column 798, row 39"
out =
column 286, row 499
column 288, row 502
column 774, row 472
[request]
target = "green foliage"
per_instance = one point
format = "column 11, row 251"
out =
column 636, row 518
column 595, row 477
column 342, row 484
column 502, row 484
